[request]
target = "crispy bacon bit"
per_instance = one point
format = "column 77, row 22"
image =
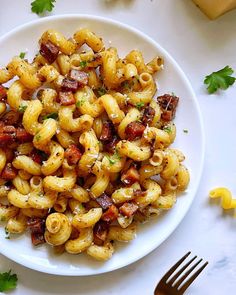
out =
column 73, row 154
column 66, row 98
column 22, row 135
column 36, row 157
column 3, row 93
column 148, row 115
column 37, row 228
column 11, row 118
column 168, row 104
column 100, row 232
column 134, row 130
column 104, row 201
column 49, row 51
column 8, row 129
column 130, row 176
column 111, row 214
column 69, row 85
column 110, row 146
column 9, row 172
column 128, row 209
column 5, row 139
column 107, row 131
column 80, row 76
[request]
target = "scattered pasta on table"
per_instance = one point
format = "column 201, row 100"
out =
column 85, row 146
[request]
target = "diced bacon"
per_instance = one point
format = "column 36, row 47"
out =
column 79, row 76
column 111, row 214
column 69, row 85
column 9, row 172
column 110, row 146
column 107, row 131
column 148, row 115
column 104, row 201
column 128, row 209
column 37, row 228
column 134, row 130
column 11, row 118
column 8, row 129
column 168, row 104
column 37, row 239
column 73, row 154
column 36, row 157
column 3, row 93
column 49, row 51
column 66, row 98
column 100, row 232
column 22, row 135
column 130, row 176
column 6, row 139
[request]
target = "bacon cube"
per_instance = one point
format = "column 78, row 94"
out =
column 73, row 154
column 49, row 51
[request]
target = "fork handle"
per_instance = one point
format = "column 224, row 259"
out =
column 157, row 292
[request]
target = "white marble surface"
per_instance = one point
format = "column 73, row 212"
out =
column 200, row 46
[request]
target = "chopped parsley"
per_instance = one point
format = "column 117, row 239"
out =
column 185, row 130
column 167, row 129
column 40, row 6
column 7, row 234
column 221, row 79
column 3, row 218
column 83, row 64
column 37, row 137
column 22, row 108
column 101, row 91
column 51, row 116
column 80, row 102
column 112, row 160
column 22, row 55
column 8, row 281
column 139, row 105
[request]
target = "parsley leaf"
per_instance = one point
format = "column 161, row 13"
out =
column 40, row 6
column 113, row 158
column 22, row 55
column 51, row 116
column 221, row 79
column 101, row 91
column 83, row 64
column 139, row 105
column 7, row 234
column 167, row 129
column 37, row 137
column 8, row 281
column 80, row 102
column 185, row 130
column 22, row 108
column 111, row 161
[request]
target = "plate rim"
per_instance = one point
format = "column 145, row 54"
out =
column 131, row 29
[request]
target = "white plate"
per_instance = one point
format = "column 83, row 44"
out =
column 151, row 234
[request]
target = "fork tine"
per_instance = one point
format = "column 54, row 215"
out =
column 173, row 279
column 192, row 278
column 180, row 281
column 174, row 267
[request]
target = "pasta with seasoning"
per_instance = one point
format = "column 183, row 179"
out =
column 85, row 145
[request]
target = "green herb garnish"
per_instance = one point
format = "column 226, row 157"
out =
column 101, row 91
column 22, row 108
column 221, row 79
column 8, row 281
column 22, row 55
column 139, row 105
column 51, row 116
column 7, row 234
column 167, row 129
column 83, row 64
column 80, row 102
column 185, row 130
column 37, row 137
column 40, row 6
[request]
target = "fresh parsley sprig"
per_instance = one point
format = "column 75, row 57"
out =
column 50, row 116
column 40, row 6
column 8, row 281
column 221, row 79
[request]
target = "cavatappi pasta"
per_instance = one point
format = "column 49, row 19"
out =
column 81, row 138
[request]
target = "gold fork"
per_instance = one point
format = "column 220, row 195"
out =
column 177, row 284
